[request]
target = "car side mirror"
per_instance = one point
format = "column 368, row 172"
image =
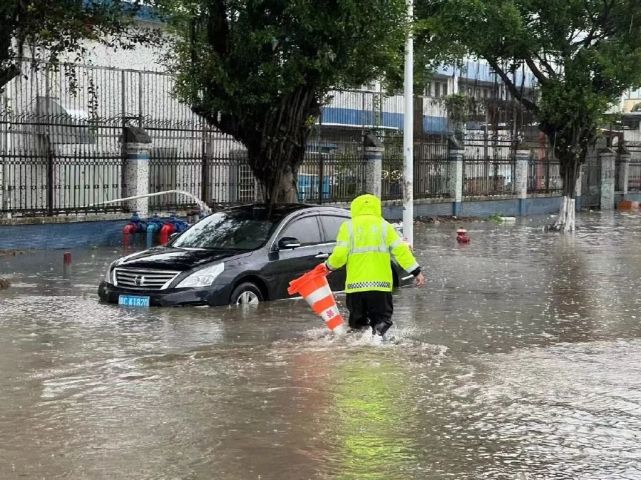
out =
column 288, row 243
column 173, row 236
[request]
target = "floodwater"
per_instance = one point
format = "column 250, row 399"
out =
column 521, row 359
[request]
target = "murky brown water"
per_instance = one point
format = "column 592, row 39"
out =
column 521, row 360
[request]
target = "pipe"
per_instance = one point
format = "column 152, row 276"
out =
column 202, row 205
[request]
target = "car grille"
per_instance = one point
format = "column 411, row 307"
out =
column 143, row 279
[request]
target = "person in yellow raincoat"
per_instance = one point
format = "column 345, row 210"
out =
column 365, row 245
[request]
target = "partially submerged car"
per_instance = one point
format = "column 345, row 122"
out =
column 242, row 255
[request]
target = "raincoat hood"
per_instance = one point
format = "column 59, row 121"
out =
column 366, row 205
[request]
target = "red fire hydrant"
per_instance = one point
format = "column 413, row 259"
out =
column 127, row 232
column 165, row 232
column 462, row 236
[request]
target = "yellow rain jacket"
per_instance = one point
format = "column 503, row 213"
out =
column 365, row 243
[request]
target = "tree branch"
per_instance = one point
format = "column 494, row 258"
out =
column 551, row 72
column 540, row 76
column 531, row 106
column 7, row 74
column 217, row 27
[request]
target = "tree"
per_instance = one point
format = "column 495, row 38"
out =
column 583, row 53
column 259, row 70
column 53, row 28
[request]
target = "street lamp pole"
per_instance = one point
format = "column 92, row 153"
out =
column 408, row 132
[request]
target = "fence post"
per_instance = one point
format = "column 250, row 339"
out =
column 136, row 148
column 521, row 177
column 321, row 173
column 624, row 170
column 455, row 157
column 4, row 146
column 204, row 173
column 606, row 160
column 373, row 170
column 374, row 149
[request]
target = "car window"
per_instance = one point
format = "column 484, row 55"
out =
column 236, row 231
column 331, row 224
column 304, row 229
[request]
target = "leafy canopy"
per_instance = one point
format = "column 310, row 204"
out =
column 241, row 56
column 583, row 53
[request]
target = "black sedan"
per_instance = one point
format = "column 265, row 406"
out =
column 242, row 255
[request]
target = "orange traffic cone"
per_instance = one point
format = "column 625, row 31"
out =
column 313, row 287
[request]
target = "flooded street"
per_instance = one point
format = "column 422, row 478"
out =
column 521, row 359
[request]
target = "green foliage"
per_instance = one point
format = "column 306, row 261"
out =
column 583, row 53
column 235, row 55
column 260, row 69
column 50, row 29
column 458, row 107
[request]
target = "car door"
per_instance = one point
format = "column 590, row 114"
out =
column 330, row 223
column 287, row 264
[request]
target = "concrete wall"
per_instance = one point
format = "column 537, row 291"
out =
column 62, row 235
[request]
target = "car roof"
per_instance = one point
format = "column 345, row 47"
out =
column 280, row 210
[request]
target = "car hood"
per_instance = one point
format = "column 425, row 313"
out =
column 178, row 259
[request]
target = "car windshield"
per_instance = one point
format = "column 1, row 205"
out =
column 241, row 230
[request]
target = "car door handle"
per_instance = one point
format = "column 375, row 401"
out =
column 322, row 255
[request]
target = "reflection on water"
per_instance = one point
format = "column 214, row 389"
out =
column 520, row 360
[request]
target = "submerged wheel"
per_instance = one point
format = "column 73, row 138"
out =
column 246, row 294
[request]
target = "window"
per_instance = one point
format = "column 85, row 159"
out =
column 437, row 89
column 331, row 224
column 304, row 229
column 445, row 89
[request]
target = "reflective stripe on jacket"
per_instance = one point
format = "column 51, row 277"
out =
column 365, row 243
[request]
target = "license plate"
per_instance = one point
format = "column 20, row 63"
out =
column 133, row 301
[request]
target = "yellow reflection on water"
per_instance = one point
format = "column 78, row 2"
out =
column 372, row 421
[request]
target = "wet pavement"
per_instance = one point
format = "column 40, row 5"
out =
column 521, row 359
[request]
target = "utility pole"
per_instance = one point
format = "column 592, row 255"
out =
column 408, row 132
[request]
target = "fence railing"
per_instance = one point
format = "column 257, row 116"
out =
column 61, row 149
column 544, row 176
column 634, row 176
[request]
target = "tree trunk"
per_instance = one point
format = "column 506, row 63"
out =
column 565, row 221
column 276, row 141
column 569, row 164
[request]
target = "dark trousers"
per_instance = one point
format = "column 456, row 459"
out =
column 372, row 309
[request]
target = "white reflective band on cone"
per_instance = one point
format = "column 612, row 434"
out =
column 318, row 294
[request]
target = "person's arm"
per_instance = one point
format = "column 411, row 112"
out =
column 402, row 253
column 339, row 255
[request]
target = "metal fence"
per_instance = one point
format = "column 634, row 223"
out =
column 634, row 170
column 61, row 151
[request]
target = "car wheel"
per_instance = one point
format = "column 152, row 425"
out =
column 246, row 294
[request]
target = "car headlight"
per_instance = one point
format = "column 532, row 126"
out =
column 203, row 277
column 108, row 274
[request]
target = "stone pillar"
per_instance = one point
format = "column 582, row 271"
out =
column 137, row 177
column 624, row 171
column 455, row 158
column 606, row 161
column 373, row 170
column 3, row 149
column 520, row 178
